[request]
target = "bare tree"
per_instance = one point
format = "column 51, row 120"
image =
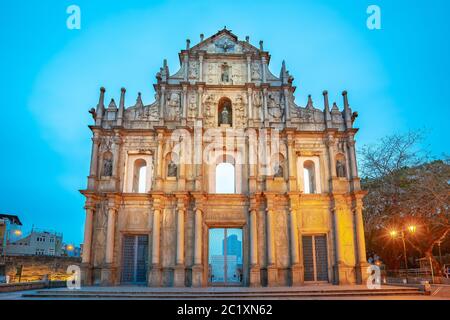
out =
column 404, row 187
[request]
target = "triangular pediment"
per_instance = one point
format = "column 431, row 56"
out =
column 224, row 42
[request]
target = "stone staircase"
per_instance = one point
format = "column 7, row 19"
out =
column 279, row 293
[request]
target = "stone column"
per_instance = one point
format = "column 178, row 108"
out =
column 200, row 58
column 198, row 157
column 250, row 103
column 184, row 111
column 263, row 66
column 155, row 274
column 87, row 245
column 116, row 155
column 160, row 161
column 107, row 274
column 361, row 263
column 116, row 158
column 200, row 102
column 287, row 109
column 186, row 67
column 179, row 276
column 360, row 235
column 330, row 149
column 252, row 141
column 249, row 68
column 296, row 270
column 292, row 162
column 162, row 102
column 272, row 278
column 198, row 237
column 94, row 162
column 197, row 269
column 183, row 161
column 344, row 274
column 109, row 258
column 253, row 239
column 265, row 112
column 355, row 183
column 352, row 158
column 255, row 278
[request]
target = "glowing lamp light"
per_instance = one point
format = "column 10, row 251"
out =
column 412, row 229
column 69, row 247
column 393, row 233
column 17, row 233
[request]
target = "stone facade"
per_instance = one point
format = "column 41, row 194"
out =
column 153, row 174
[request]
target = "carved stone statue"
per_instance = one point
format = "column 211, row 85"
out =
column 225, row 73
column 172, row 169
column 340, row 169
column 279, row 173
column 107, row 167
column 174, row 106
column 274, row 107
column 256, row 72
column 225, row 116
column 193, row 70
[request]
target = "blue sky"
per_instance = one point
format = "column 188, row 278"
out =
column 397, row 77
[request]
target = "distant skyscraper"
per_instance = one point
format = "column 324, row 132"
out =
column 234, row 247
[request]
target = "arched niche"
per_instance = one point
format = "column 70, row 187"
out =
column 225, row 112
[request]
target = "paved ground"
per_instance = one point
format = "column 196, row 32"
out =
column 439, row 292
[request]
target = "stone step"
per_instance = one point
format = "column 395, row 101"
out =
column 218, row 295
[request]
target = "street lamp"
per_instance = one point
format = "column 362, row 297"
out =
column 394, row 234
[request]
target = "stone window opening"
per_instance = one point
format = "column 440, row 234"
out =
column 140, row 176
column 225, row 178
column 225, row 112
column 309, row 177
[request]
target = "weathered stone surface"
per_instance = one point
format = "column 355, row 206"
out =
column 150, row 162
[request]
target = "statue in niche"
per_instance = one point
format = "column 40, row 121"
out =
column 279, row 173
column 172, row 169
column 225, row 73
column 256, row 72
column 274, row 107
column 340, row 169
column 225, row 116
column 193, row 70
column 107, row 167
column 174, row 105
column 257, row 99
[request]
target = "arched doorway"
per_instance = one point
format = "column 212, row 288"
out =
column 225, row 112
